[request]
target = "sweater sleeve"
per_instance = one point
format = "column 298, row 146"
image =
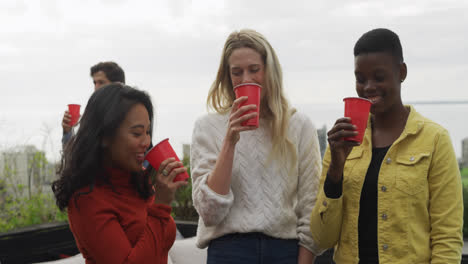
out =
column 211, row 206
column 446, row 203
column 309, row 161
column 96, row 225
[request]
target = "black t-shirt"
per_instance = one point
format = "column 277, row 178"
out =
column 367, row 224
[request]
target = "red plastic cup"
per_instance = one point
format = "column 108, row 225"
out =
column 74, row 110
column 358, row 110
column 252, row 91
column 161, row 152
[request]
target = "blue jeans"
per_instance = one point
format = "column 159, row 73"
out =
column 252, row 248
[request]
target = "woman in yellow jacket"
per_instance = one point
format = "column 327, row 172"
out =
column 397, row 196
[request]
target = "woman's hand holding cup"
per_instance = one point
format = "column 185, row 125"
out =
column 340, row 148
column 164, row 184
column 237, row 117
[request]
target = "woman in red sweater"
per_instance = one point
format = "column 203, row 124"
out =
column 116, row 213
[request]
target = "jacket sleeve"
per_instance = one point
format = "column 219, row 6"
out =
column 327, row 215
column 446, row 203
column 96, row 225
column 211, row 206
column 66, row 137
column 309, row 168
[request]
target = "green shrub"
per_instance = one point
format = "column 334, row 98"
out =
column 182, row 207
column 25, row 211
column 464, row 175
column 18, row 209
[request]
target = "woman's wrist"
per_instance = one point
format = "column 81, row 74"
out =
column 229, row 142
column 335, row 173
column 220, row 178
column 305, row 256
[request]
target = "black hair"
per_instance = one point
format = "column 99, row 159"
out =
column 111, row 69
column 82, row 157
column 380, row 40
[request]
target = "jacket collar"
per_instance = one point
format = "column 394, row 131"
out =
column 413, row 126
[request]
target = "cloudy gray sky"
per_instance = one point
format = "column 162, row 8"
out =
column 172, row 49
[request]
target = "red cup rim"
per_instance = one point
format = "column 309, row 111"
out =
column 357, row 98
column 160, row 142
column 154, row 147
column 243, row 84
column 74, row 104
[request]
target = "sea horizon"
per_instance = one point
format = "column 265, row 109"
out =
column 43, row 128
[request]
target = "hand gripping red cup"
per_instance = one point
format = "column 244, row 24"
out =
column 161, row 152
column 252, row 91
column 358, row 110
column 74, row 110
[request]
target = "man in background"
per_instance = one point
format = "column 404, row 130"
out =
column 102, row 73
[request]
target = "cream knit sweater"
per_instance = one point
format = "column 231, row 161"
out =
column 263, row 197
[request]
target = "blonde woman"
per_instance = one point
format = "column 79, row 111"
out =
column 254, row 188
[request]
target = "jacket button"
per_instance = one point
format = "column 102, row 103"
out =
column 384, row 216
column 385, row 247
column 389, row 160
column 384, row 189
column 324, row 203
column 411, row 159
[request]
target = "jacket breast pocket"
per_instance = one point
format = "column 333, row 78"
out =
column 412, row 172
column 353, row 158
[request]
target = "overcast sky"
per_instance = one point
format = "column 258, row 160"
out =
column 172, row 49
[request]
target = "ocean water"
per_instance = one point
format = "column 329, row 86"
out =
column 451, row 116
column 177, row 122
column 42, row 128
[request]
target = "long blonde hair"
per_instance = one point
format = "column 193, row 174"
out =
column 274, row 105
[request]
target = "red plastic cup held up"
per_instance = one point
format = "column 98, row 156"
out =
column 358, row 110
column 252, row 91
column 161, row 152
column 74, row 110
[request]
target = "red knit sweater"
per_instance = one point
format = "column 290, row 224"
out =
column 118, row 226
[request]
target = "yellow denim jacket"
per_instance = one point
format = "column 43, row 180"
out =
column 420, row 203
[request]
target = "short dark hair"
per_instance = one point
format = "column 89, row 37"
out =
column 82, row 163
column 380, row 40
column 112, row 70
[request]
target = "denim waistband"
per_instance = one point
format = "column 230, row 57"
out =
column 253, row 247
column 250, row 235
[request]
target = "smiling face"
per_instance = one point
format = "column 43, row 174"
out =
column 246, row 66
column 126, row 150
column 378, row 78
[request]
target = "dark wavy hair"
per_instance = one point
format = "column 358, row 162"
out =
column 112, row 70
column 82, row 157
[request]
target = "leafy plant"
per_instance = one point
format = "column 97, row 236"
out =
column 183, row 206
column 30, row 201
column 27, row 211
column 464, row 175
